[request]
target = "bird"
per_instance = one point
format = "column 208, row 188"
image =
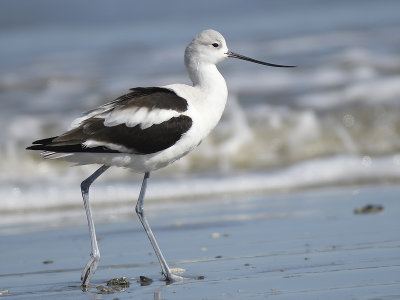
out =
column 146, row 129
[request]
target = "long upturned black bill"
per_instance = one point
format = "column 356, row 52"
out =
column 235, row 55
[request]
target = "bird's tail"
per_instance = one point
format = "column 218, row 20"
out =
column 44, row 144
column 49, row 149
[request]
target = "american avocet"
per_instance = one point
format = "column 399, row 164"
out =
column 147, row 129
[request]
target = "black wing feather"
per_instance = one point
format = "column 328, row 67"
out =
column 139, row 141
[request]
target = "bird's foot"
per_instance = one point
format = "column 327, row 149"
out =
column 172, row 278
column 90, row 269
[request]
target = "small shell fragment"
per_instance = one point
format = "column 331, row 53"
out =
column 215, row 235
column 123, row 281
column 177, row 271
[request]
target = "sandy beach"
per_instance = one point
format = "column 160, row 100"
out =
column 299, row 245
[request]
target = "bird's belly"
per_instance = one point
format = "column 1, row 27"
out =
column 166, row 157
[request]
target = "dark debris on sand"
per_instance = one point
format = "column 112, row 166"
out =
column 114, row 285
column 105, row 290
column 145, row 281
column 368, row 209
column 47, row 262
column 122, row 281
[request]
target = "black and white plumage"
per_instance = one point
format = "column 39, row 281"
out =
column 144, row 121
column 147, row 129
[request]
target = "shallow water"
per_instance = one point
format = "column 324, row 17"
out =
column 307, row 245
column 332, row 120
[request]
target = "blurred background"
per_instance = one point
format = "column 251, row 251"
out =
column 332, row 121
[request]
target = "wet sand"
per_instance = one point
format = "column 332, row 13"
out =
column 303, row 245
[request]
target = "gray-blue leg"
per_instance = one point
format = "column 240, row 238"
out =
column 93, row 262
column 140, row 212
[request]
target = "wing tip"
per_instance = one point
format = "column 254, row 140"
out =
column 42, row 144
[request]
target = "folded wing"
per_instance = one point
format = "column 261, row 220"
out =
column 144, row 121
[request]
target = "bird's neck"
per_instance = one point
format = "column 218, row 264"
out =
column 206, row 77
column 212, row 94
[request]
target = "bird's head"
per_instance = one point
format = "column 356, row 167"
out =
column 209, row 46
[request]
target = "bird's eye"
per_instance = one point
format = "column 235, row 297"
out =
column 215, row 45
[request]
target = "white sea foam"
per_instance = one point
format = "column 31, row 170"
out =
column 54, row 204
column 313, row 173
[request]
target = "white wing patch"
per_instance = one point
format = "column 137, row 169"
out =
column 138, row 116
column 75, row 123
column 93, row 144
column 117, row 112
column 131, row 116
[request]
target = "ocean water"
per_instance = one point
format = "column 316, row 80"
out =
column 333, row 120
